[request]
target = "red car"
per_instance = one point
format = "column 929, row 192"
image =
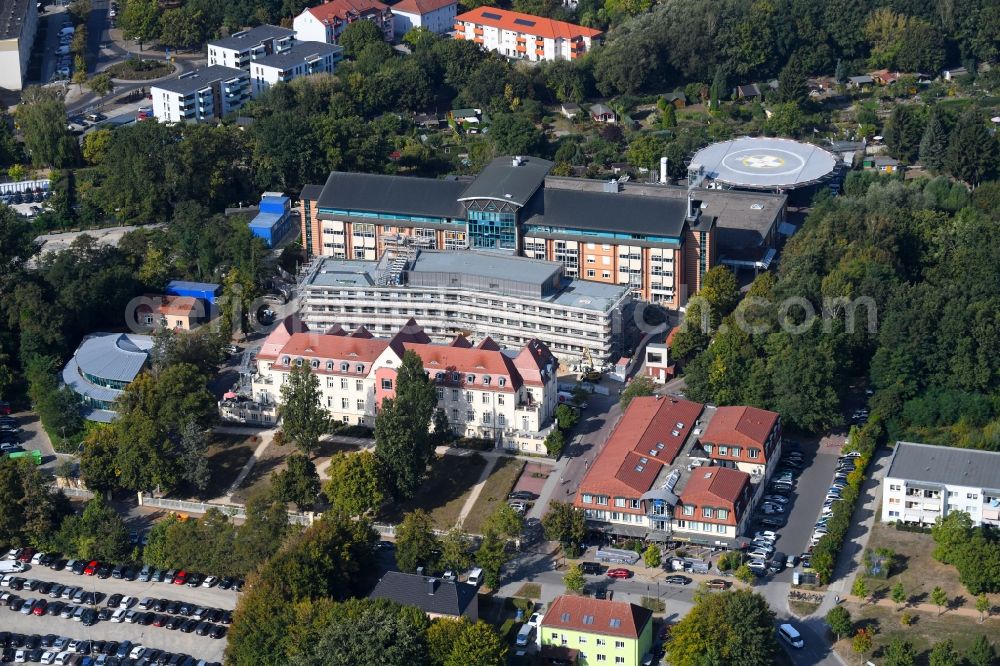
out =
column 619, row 573
column 40, row 607
column 4, row 408
column 181, row 577
column 91, row 568
column 26, row 554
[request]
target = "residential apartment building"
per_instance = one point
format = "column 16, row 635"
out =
column 302, row 59
column 507, row 396
column 745, row 438
column 325, row 22
column 587, row 631
column 438, row 16
column 926, row 482
column 239, row 49
column 655, row 240
column 513, row 300
column 18, row 23
column 204, row 94
column 523, row 36
column 654, row 480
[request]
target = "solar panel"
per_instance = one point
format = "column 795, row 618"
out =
column 491, row 15
column 524, row 22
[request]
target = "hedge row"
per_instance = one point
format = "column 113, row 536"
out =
column 864, row 440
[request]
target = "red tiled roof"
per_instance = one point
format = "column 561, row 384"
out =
column 597, row 616
column 334, row 347
column 528, row 24
column 743, row 426
column 174, row 305
column 339, row 8
column 421, row 6
column 627, row 466
column 445, row 358
column 716, row 487
column 532, row 360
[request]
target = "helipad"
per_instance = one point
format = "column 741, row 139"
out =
column 765, row 163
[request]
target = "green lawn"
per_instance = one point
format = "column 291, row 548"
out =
column 497, row 487
column 444, row 491
column 227, row 454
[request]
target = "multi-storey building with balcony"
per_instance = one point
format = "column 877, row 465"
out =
column 506, row 396
column 204, row 94
column 523, row 36
column 655, row 480
column 926, row 482
column 510, row 299
column 325, row 22
column 302, row 59
column 239, row 49
column 656, row 240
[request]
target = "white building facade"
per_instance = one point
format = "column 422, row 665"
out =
column 18, row 23
column 241, row 48
column 927, row 482
column 325, row 22
column 438, row 16
column 207, row 94
column 523, row 36
column 303, row 59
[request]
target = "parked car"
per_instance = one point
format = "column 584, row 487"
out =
column 591, row 568
column 619, row 572
column 677, row 580
column 718, row 584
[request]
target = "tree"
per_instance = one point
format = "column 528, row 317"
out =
column 303, row 418
column 565, row 416
column 515, row 134
column 139, row 19
column 443, row 633
column 555, row 442
column 898, row 594
column 478, row 645
column 904, row 131
column 356, row 36
column 43, row 126
column 943, row 654
column 442, row 428
column 939, row 598
column 862, row 641
column 402, row 429
column 860, row 589
column 669, row 118
column 354, row 486
column 792, row 81
column 744, row 574
column 101, row 84
column 981, row 652
column 456, row 551
column 638, row 387
column 491, row 557
column 652, row 556
column 721, row 290
column 718, row 90
column 840, row 72
column 566, row 524
column 898, row 652
column 416, row 543
column 194, row 464
column 972, row 149
column 734, row 627
column 99, row 533
column 933, row 149
column 505, row 521
column 839, row 620
column 574, row 580
column 95, row 146
column 645, row 150
column 983, row 606
column 298, row 482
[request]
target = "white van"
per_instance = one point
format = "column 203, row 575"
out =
column 524, row 635
column 791, row 635
column 11, row 566
column 475, row 577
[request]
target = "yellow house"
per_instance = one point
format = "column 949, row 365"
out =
column 178, row 313
column 595, row 632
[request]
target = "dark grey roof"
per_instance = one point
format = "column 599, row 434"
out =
column 12, row 16
column 486, row 264
column 399, row 195
column 503, row 180
column 612, row 211
column 311, row 192
column 246, row 39
column 298, row 54
column 449, row 598
column 945, row 464
column 198, row 79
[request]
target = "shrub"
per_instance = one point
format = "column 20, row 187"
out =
column 906, row 619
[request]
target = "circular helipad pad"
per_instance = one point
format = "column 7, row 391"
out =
column 765, row 163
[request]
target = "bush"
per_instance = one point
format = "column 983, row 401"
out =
column 906, row 619
column 654, row 604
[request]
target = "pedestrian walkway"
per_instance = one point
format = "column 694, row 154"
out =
column 491, row 462
column 266, row 437
column 964, row 611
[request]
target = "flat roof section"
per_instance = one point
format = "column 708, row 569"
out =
column 298, row 54
column 202, row 78
column 246, row 39
column 511, row 179
column 485, row 264
column 765, row 163
column 344, row 273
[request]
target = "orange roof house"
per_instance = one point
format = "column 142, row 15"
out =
column 524, row 36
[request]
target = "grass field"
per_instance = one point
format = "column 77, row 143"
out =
column 495, row 491
column 444, row 491
column 227, row 454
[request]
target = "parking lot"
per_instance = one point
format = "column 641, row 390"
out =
column 200, row 647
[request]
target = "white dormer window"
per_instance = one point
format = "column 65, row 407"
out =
column 298, row 362
column 344, row 367
column 502, row 381
column 285, row 360
column 360, row 367
column 439, row 376
column 486, row 381
column 329, row 365
column 315, row 363
column 455, row 377
column 471, row 379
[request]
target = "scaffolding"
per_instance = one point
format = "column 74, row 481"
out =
column 399, row 254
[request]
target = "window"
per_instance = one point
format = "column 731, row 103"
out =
column 619, row 660
column 601, row 657
column 468, row 397
column 972, row 496
column 619, row 501
column 344, row 367
column 359, row 385
column 723, row 450
column 591, row 273
column 360, row 367
column 343, row 383
column 470, row 379
column 619, row 644
column 344, row 402
column 720, row 528
column 361, row 404
column 736, row 452
column 602, row 500
column 601, row 642
column 386, row 384
column 722, row 514
column 588, row 499
column 688, row 510
column 893, row 514
column 708, row 448
column 706, row 512
column 499, row 399
column 582, row 639
column 486, row 398
column 502, row 381
column 897, row 487
column 753, row 453
column 470, row 415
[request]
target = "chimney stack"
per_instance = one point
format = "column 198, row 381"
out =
column 431, row 586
